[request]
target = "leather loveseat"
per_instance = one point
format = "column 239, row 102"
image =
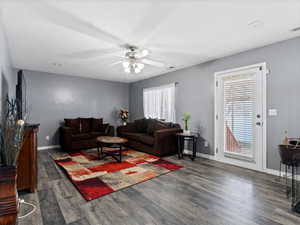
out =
column 81, row 133
column 151, row 136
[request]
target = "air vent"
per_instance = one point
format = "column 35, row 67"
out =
column 57, row 64
column 295, row 29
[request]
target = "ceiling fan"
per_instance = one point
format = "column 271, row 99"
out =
column 134, row 58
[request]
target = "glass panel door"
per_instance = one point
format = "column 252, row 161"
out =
column 239, row 104
column 239, row 93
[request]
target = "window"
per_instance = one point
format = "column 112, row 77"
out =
column 159, row 102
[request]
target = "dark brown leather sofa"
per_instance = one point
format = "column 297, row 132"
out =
column 81, row 133
column 151, row 136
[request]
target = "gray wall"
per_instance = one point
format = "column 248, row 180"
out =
column 7, row 76
column 51, row 98
column 195, row 93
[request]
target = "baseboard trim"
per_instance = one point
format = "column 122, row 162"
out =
column 273, row 172
column 48, row 147
column 199, row 154
column 276, row 173
column 267, row 170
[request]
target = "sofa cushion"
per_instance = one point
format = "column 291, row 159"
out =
column 96, row 134
column 151, row 126
column 74, row 124
column 96, row 123
column 86, row 125
column 141, row 125
column 159, row 126
column 79, row 137
column 147, row 139
column 170, row 124
column 131, row 135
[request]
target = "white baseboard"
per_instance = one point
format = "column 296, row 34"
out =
column 273, row 172
column 199, row 154
column 48, row 147
column 276, row 173
column 267, row 171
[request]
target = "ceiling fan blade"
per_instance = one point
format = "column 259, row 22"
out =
column 66, row 19
column 116, row 63
column 93, row 53
column 142, row 53
column 170, row 50
column 151, row 22
column 153, row 63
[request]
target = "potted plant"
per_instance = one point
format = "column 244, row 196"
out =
column 11, row 134
column 186, row 118
column 124, row 115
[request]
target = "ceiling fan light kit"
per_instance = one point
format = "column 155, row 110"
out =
column 131, row 62
column 126, row 64
column 132, row 67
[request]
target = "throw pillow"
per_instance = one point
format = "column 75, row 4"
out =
column 159, row 126
column 86, row 125
column 96, row 123
column 151, row 126
column 74, row 124
column 141, row 125
column 167, row 124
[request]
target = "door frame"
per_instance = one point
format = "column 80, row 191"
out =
column 264, row 73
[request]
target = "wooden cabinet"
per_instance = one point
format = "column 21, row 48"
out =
column 27, row 162
column 8, row 199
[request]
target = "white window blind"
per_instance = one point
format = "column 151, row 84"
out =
column 239, row 113
column 159, row 102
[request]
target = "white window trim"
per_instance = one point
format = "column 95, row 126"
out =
column 159, row 87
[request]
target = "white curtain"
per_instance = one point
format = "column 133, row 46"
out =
column 159, row 102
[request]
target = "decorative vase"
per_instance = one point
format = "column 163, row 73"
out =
column 187, row 132
column 186, row 125
column 186, row 129
column 8, row 195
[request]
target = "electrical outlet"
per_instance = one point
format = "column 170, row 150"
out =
column 47, row 138
column 272, row 112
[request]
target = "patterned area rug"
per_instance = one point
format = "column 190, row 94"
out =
column 95, row 178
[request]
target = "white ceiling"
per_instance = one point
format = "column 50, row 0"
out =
column 41, row 34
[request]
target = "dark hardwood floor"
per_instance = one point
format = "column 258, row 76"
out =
column 205, row 192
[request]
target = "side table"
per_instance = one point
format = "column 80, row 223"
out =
column 181, row 137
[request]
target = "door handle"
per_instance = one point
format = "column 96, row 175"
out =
column 258, row 123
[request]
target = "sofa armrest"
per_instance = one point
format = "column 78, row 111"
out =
column 165, row 141
column 127, row 128
column 67, row 130
column 166, row 132
column 66, row 137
